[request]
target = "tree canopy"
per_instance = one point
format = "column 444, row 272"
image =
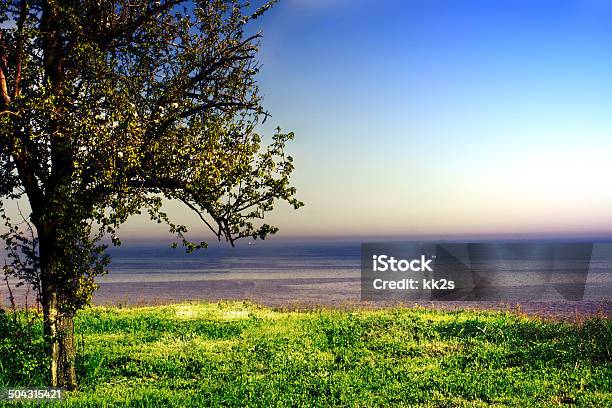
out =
column 107, row 107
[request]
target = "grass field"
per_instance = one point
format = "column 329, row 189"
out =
column 239, row 354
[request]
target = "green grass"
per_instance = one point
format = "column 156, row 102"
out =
column 240, row 354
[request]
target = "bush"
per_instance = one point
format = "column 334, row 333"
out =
column 23, row 361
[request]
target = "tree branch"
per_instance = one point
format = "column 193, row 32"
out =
column 5, row 99
column 20, row 40
column 217, row 233
column 131, row 26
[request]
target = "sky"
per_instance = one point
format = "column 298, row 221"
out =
column 444, row 117
column 438, row 117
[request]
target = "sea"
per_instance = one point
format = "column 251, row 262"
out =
column 288, row 273
column 261, row 260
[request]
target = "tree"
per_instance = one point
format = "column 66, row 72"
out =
column 107, row 107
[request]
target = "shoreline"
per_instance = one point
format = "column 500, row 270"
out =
column 308, row 294
column 328, row 293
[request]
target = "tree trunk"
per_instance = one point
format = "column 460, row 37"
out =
column 58, row 325
column 59, row 331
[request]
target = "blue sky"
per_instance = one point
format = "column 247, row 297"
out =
column 444, row 117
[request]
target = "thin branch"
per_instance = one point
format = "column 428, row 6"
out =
column 5, row 99
column 20, row 40
column 201, row 216
column 133, row 25
column 8, row 112
column 10, row 291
